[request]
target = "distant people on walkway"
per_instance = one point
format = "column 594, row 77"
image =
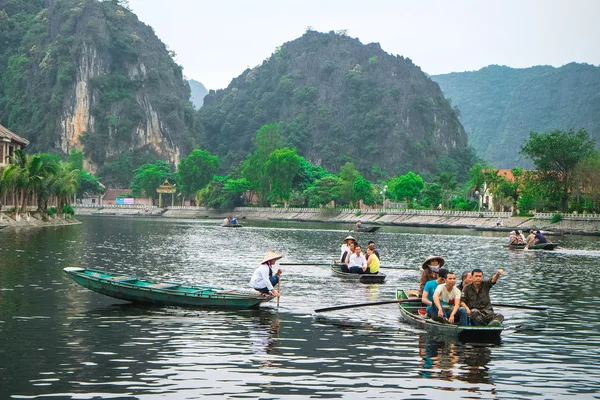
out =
column 264, row 280
column 499, row 222
column 439, row 207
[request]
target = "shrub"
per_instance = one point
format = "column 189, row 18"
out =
column 68, row 209
column 358, row 213
column 556, row 218
column 52, row 211
column 381, row 214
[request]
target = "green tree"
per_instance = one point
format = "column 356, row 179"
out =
column 282, row 167
column 406, row 187
column 363, row 190
column 348, row 175
column 89, row 185
column 76, row 159
column 254, row 169
column 323, row 191
column 512, row 188
column 431, row 195
column 196, row 171
column 555, row 156
column 586, row 184
column 149, row 177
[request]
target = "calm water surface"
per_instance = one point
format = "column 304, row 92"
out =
column 58, row 340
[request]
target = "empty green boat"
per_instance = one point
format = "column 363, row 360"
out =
column 136, row 290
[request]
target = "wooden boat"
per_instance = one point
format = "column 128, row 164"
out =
column 539, row 246
column 231, row 225
column 336, row 270
column 410, row 313
column 367, row 229
column 3, row 226
column 136, row 290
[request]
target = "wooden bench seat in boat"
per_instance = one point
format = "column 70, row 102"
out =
column 163, row 285
column 123, row 278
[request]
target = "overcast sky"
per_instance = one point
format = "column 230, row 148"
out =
column 217, row 40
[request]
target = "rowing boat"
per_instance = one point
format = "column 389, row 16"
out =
column 231, row 225
column 136, row 290
column 539, row 246
column 367, row 229
column 336, row 270
column 410, row 313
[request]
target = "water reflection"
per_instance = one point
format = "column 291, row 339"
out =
column 264, row 338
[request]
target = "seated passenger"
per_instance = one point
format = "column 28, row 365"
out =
column 359, row 225
column 429, row 289
column 345, row 260
column 357, row 263
column 446, row 303
column 540, row 238
column 372, row 260
column 512, row 239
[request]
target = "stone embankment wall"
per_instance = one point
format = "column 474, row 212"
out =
column 570, row 224
column 9, row 220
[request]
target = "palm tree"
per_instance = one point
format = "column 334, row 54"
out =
column 66, row 184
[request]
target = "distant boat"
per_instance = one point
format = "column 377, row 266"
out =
column 136, row 290
column 412, row 314
column 336, row 270
column 539, row 246
column 367, row 229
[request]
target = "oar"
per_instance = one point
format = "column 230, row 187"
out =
column 522, row 307
column 376, row 303
column 306, row 263
column 278, row 290
column 328, row 264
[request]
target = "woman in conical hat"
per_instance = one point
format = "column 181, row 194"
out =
column 263, row 279
column 346, row 247
column 431, row 267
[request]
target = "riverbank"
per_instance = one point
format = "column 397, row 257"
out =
column 485, row 221
column 30, row 220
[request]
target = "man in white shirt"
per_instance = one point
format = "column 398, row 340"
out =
column 358, row 262
column 263, row 278
column 446, row 303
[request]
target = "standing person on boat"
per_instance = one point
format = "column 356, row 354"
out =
column 446, row 302
column 263, row 278
column 476, row 299
column 466, row 279
column 429, row 289
column 372, row 260
column 358, row 262
column 431, row 265
column 374, row 250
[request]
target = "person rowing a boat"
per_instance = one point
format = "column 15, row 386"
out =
column 359, row 225
column 263, row 279
column 358, row 262
column 447, row 304
column 476, row 299
column 430, row 267
column 347, row 251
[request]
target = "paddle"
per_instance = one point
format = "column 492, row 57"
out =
column 278, row 290
column 327, row 264
column 376, row 303
column 522, row 307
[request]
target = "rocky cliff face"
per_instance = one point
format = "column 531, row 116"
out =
column 99, row 80
column 338, row 100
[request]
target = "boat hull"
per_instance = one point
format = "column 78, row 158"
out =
column 409, row 312
column 540, row 246
column 162, row 293
column 231, row 226
column 336, row 270
column 367, row 229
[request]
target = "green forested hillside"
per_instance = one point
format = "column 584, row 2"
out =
column 84, row 74
column 499, row 105
column 339, row 101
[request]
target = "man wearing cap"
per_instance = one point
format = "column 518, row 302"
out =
column 431, row 267
column 476, row 299
column 263, row 278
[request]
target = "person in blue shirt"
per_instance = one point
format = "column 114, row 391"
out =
column 430, row 286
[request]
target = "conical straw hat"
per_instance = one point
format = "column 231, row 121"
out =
column 440, row 260
column 271, row 256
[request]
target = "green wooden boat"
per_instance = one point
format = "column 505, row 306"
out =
column 336, row 270
column 367, row 229
column 136, row 290
column 410, row 313
column 539, row 246
column 3, row 226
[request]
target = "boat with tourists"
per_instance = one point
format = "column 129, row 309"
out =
column 414, row 314
column 367, row 229
column 538, row 246
column 137, row 290
column 336, row 270
column 231, row 226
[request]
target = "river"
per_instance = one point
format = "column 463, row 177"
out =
column 61, row 341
